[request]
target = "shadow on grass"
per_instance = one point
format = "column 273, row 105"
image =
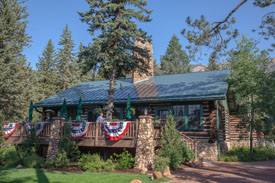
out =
column 41, row 177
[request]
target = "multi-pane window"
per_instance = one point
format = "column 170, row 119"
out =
column 194, row 116
column 187, row 117
column 179, row 112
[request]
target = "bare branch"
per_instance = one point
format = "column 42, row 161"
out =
column 228, row 16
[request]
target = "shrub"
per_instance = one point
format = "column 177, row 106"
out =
column 171, row 144
column 31, row 143
column 32, row 161
column 187, row 154
column 10, row 156
column 61, row 160
column 123, row 161
column 160, row 162
column 94, row 163
column 243, row 154
column 68, row 145
column 49, row 164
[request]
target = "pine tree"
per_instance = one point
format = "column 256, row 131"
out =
column 171, row 145
column 112, row 50
column 249, row 72
column 212, row 64
column 14, row 72
column 157, row 69
column 175, row 60
column 47, row 74
column 68, row 69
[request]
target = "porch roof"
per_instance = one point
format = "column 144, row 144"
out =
column 178, row 87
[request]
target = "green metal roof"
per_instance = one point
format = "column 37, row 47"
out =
column 177, row 87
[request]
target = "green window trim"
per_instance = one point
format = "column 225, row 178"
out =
column 169, row 108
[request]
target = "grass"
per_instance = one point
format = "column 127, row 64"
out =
column 241, row 154
column 30, row 175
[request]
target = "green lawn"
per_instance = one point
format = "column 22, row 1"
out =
column 43, row 176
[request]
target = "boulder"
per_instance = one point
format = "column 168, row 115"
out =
column 136, row 181
column 19, row 166
column 196, row 163
column 143, row 170
column 157, row 175
column 166, row 171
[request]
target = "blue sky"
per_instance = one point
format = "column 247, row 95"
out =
column 47, row 19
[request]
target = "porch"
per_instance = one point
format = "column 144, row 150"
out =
column 95, row 136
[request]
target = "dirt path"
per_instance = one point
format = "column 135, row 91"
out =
column 253, row 172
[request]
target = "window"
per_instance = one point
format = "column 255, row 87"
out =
column 193, row 119
column 178, row 111
column 161, row 113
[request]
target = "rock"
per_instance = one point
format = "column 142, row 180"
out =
column 166, row 171
column 136, row 181
column 157, row 175
column 143, row 170
column 19, row 166
column 196, row 163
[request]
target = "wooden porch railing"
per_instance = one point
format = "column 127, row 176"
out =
column 95, row 132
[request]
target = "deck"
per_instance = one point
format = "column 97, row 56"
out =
column 95, row 137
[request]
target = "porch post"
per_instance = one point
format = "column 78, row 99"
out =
column 55, row 137
column 218, row 130
column 145, row 153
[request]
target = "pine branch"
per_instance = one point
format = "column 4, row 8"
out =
column 216, row 28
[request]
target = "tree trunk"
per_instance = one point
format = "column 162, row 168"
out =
column 251, row 128
column 111, row 92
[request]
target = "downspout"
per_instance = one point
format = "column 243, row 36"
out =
column 218, row 130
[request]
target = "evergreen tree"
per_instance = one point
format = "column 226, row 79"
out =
column 157, row 69
column 171, row 145
column 67, row 66
column 113, row 48
column 212, row 64
column 14, row 73
column 175, row 60
column 249, row 72
column 47, row 75
column 84, row 76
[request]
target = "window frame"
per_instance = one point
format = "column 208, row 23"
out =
column 186, row 118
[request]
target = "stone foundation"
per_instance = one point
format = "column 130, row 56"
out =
column 55, row 137
column 206, row 151
column 228, row 145
column 145, row 144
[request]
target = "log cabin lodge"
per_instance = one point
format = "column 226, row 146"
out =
column 201, row 102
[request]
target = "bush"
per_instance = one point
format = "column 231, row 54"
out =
column 32, row 161
column 94, row 163
column 123, row 161
column 31, row 143
column 10, row 156
column 68, row 145
column 160, row 163
column 243, row 154
column 61, row 160
column 187, row 154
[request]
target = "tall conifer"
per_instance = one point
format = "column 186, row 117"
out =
column 14, row 73
column 113, row 48
column 66, row 61
column 47, row 76
column 175, row 60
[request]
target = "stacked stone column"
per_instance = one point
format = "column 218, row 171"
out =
column 145, row 144
column 55, row 137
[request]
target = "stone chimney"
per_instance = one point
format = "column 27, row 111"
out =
column 136, row 75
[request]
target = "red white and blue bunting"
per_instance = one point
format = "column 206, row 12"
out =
column 9, row 128
column 115, row 130
column 79, row 130
column 39, row 127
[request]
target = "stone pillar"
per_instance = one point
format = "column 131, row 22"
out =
column 145, row 144
column 55, row 136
